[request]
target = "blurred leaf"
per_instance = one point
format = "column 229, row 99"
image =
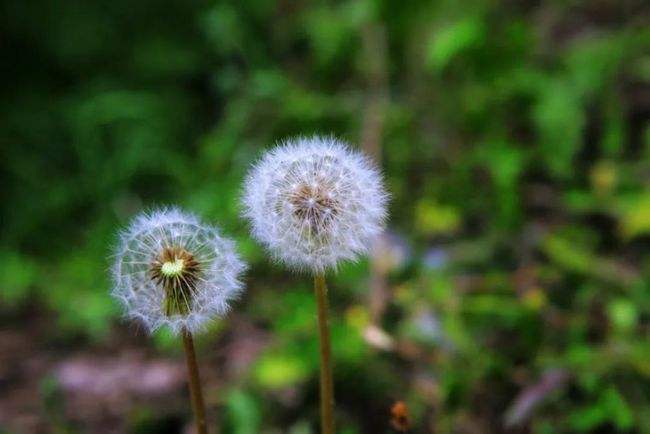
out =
column 569, row 255
column 302, row 427
column 610, row 407
column 451, row 39
column 559, row 120
column 603, row 177
column 19, row 273
column 275, row 371
column 635, row 216
column 242, row 413
column 623, row 314
column 76, row 294
column 591, row 61
column 434, row 219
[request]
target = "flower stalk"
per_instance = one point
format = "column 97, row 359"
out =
column 326, row 382
column 196, row 394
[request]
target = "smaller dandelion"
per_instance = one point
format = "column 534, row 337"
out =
column 173, row 270
column 313, row 203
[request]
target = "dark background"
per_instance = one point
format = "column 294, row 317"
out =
column 510, row 294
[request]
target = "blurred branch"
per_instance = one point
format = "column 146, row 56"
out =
column 532, row 396
column 374, row 47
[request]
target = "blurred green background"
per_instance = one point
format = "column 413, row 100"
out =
column 510, row 293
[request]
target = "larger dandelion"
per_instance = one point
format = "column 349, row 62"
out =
column 172, row 270
column 314, row 202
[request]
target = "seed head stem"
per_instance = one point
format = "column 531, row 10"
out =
column 194, row 383
column 326, row 383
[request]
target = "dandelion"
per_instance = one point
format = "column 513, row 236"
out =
column 172, row 270
column 313, row 203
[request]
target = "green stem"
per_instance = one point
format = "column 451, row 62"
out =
column 326, row 383
column 195, row 385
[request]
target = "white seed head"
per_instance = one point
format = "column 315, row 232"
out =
column 171, row 269
column 314, row 202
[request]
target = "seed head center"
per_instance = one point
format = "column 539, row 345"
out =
column 173, row 268
column 177, row 271
column 315, row 204
column 310, row 197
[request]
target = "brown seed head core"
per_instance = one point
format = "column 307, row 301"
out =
column 315, row 204
column 178, row 272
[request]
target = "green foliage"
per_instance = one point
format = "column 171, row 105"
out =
column 515, row 145
column 18, row 276
column 243, row 413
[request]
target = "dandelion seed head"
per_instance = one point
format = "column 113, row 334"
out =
column 172, row 270
column 314, row 202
